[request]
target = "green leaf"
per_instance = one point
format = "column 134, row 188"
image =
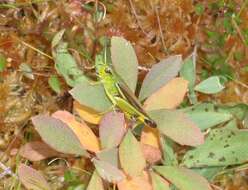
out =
column 96, row 182
column 211, row 85
column 239, row 56
column 245, row 122
column 188, row 72
column 208, row 172
column 54, row 83
column 232, row 124
column 109, row 155
column 70, row 176
column 112, row 129
column 92, row 96
column 57, row 38
column 77, row 187
column 239, row 111
column 66, row 65
column 178, row 126
column 31, row 178
column 73, row 181
column 215, row 113
column 200, row 107
column 124, row 61
column 26, row 70
column 108, row 172
column 169, row 156
column 159, row 75
column 158, row 183
column 182, row 178
column 131, row 156
column 58, row 135
column 223, row 147
column 199, row 8
column 213, row 118
column 3, row 62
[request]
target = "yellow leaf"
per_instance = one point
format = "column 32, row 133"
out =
column 150, row 136
column 85, row 135
column 168, row 96
column 131, row 157
column 136, row 183
column 87, row 114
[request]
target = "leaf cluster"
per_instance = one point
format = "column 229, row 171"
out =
column 132, row 155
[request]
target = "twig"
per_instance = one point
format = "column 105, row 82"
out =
column 238, row 31
column 15, row 5
column 14, row 139
column 142, row 68
column 6, row 29
column 136, row 17
column 237, row 81
column 230, row 54
column 6, row 42
column 55, row 159
column 160, row 30
column 35, row 49
column 242, row 7
column 34, row 73
column 82, row 170
column 216, row 187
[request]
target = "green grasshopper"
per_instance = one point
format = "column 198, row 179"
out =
column 118, row 92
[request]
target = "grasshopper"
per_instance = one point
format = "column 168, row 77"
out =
column 118, row 92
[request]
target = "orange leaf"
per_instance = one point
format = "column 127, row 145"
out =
column 168, row 96
column 87, row 114
column 136, row 183
column 85, row 135
column 150, row 136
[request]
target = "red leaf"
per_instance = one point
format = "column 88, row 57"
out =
column 31, row 178
column 108, row 171
column 37, row 150
column 151, row 154
column 112, row 129
column 178, row 126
